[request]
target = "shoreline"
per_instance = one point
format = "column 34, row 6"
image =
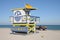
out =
column 11, row 27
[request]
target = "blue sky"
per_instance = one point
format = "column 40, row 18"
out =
column 48, row 10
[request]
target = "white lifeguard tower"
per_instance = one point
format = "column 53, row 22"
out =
column 22, row 21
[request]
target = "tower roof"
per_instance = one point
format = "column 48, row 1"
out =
column 27, row 6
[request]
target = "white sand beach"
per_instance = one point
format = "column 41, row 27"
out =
column 5, row 34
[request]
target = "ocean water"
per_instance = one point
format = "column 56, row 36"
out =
column 49, row 27
column 53, row 27
column 6, row 26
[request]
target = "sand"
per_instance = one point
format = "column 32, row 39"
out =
column 5, row 34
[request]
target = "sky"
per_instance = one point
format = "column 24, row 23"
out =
column 47, row 10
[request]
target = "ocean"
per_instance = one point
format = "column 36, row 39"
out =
column 49, row 27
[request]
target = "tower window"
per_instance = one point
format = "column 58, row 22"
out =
column 17, row 13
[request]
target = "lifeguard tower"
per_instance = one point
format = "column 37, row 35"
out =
column 22, row 21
